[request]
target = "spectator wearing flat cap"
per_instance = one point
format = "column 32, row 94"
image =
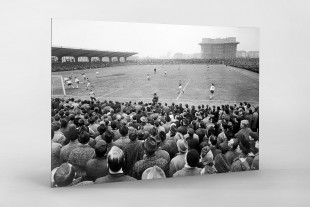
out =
column 63, row 175
column 133, row 151
column 116, row 161
column 178, row 162
column 58, row 135
column 154, row 172
column 150, row 160
column 207, row 161
column 190, row 168
column 123, row 140
column 244, row 130
column 97, row 167
column 72, row 136
column 81, row 155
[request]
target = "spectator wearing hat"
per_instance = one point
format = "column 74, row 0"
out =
column 97, row 167
column 123, row 140
column 207, row 161
column 150, row 160
column 81, row 155
column 72, row 136
column 115, row 131
column 171, row 141
column 116, row 161
column 231, row 154
column 58, row 135
column 133, row 151
column 192, row 139
column 190, row 168
column 178, row 162
column 63, row 175
column 154, row 172
column 55, row 153
column 64, row 129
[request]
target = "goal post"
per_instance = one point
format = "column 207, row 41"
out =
column 58, row 87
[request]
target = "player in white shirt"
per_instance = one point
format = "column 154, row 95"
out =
column 148, row 77
column 97, row 74
column 181, row 90
column 92, row 95
column 77, row 82
column 69, row 82
column 165, row 73
column 84, row 76
column 212, row 89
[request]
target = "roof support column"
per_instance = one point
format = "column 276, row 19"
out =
column 110, row 59
column 89, row 59
column 76, row 59
column 119, row 59
column 59, row 59
column 125, row 59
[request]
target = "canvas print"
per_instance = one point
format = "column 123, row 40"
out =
column 137, row 101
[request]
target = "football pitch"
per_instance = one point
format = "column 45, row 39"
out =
column 129, row 83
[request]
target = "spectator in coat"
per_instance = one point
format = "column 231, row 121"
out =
column 150, row 160
column 81, row 155
column 190, row 168
column 116, row 161
column 58, row 135
column 178, row 162
column 97, row 167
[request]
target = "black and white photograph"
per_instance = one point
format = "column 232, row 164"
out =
column 138, row 101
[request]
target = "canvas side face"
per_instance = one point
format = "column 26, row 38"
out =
column 134, row 101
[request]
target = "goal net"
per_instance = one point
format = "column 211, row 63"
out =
column 58, row 87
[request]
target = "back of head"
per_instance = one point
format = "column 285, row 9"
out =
column 63, row 123
column 64, row 175
column 72, row 133
column 132, row 133
column 100, row 148
column 123, row 130
column 108, row 135
column 115, row 159
column 192, row 158
column 84, row 137
column 113, row 124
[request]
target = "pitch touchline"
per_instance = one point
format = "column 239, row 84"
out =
column 183, row 89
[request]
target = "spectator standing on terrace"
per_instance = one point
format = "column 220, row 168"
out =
column 212, row 89
column 191, row 162
column 97, row 167
column 72, row 136
column 58, row 135
column 155, row 98
column 178, row 162
column 150, row 160
column 123, row 140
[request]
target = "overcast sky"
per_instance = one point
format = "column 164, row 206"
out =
column 153, row 40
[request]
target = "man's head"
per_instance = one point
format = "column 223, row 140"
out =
column 100, row 148
column 116, row 159
column 101, row 129
column 192, row 158
column 56, row 125
column 123, row 130
column 84, row 137
column 244, row 124
column 72, row 133
column 108, row 135
column 132, row 133
column 150, row 145
column 182, row 146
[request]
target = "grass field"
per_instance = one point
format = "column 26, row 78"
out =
column 124, row 83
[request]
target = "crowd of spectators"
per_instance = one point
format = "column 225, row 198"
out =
column 100, row 142
column 251, row 64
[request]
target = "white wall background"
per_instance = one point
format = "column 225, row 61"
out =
column 25, row 40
